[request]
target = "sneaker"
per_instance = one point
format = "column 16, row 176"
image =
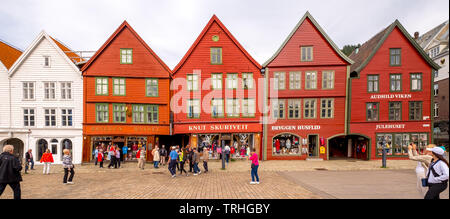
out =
column 65, row 184
column 257, row 183
column 252, row 182
column 174, row 176
column 199, row 172
column 187, row 174
column 195, row 174
column 70, row 183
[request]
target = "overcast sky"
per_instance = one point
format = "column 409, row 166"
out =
column 170, row 27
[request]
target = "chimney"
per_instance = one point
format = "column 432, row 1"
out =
column 416, row 35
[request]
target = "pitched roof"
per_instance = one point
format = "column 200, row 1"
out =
column 111, row 38
column 36, row 41
column 426, row 38
column 215, row 19
column 369, row 48
column 8, row 54
column 72, row 56
column 319, row 28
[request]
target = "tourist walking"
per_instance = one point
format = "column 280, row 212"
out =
column 156, row 157
column 422, row 165
column 112, row 156
column 190, row 158
column 96, row 155
column 438, row 179
column 196, row 159
column 100, row 158
column 10, row 168
column 219, row 151
column 163, row 155
column 125, row 153
column 255, row 164
column 47, row 159
column 141, row 155
column 68, row 167
column 177, row 149
column 227, row 153
column 29, row 159
column 182, row 158
column 205, row 159
column 173, row 156
column 117, row 163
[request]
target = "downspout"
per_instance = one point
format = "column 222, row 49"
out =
column 266, row 75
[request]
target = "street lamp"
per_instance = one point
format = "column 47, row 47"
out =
column 223, row 154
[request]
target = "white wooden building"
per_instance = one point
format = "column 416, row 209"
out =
column 46, row 99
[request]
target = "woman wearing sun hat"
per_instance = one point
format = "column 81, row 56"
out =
column 437, row 173
column 422, row 165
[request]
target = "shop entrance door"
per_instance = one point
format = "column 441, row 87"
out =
column 312, row 145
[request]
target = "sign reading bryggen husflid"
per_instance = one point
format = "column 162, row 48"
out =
column 216, row 93
column 391, row 99
column 307, row 88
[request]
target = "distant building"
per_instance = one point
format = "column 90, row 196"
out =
column 435, row 44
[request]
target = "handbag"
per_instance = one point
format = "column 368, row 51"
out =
column 253, row 165
column 425, row 182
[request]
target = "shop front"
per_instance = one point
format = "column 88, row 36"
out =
column 241, row 138
column 129, row 139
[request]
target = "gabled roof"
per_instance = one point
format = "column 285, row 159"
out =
column 215, row 19
column 113, row 36
column 72, row 56
column 316, row 25
column 426, row 38
column 34, row 44
column 8, row 54
column 369, row 48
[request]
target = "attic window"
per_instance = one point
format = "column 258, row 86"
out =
column 46, row 61
column 306, row 53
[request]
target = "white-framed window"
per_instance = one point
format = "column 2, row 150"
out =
column 278, row 108
column 29, row 117
column 47, row 61
column 436, row 89
column 247, row 80
column 327, row 79
column 436, row 109
column 216, row 80
column 306, row 53
column 126, row 56
column 66, row 90
column 49, row 90
column 295, row 80
column 309, row 108
column 119, row 86
column 232, row 107
column 232, row 81
column 66, row 117
column 279, row 80
column 28, row 90
column 311, row 80
column 327, row 108
column 192, row 82
column 50, row 117
column 193, row 108
column 54, row 146
column 217, row 108
column 248, row 108
column 294, row 108
column 434, row 51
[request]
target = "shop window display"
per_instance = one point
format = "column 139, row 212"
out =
column 134, row 144
column 286, row 144
column 397, row 143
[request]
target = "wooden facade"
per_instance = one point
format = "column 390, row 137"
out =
column 391, row 90
column 230, row 61
column 118, row 83
column 307, row 73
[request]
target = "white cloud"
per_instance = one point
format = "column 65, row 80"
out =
column 171, row 26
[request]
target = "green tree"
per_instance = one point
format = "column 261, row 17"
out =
column 348, row 49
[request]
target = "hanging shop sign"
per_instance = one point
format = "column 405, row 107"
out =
column 322, row 149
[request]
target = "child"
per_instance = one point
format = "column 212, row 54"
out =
column 100, row 158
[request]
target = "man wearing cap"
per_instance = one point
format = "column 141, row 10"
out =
column 173, row 161
column 437, row 173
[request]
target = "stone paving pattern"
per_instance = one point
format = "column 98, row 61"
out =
column 129, row 182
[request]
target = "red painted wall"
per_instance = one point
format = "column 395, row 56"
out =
column 411, row 62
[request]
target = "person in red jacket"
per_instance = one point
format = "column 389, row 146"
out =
column 100, row 157
column 47, row 159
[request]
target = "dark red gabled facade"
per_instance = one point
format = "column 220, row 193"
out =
column 391, row 90
column 214, row 67
column 126, row 95
column 307, row 75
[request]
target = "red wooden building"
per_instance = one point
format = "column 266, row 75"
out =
column 126, row 95
column 391, row 94
column 307, row 90
column 216, row 93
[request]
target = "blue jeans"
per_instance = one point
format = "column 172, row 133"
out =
column 155, row 164
column 196, row 169
column 255, row 173
column 172, row 167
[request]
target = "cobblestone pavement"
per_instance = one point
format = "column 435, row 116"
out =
column 232, row 183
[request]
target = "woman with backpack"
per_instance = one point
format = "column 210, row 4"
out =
column 437, row 177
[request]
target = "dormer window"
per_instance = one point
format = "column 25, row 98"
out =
column 47, row 61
